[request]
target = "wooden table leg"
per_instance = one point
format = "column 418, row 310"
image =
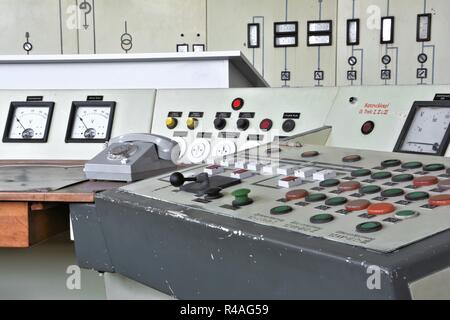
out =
column 23, row 224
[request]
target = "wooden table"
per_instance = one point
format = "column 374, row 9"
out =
column 27, row 218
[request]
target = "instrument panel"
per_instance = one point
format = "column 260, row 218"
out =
column 90, row 121
column 426, row 130
column 69, row 124
column 28, row 122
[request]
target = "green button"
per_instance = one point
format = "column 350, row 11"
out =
column 403, row 178
column 241, row 197
column 329, row 183
column 381, row 175
column 321, row 218
column 391, row 163
column 417, row 196
column 337, row 201
column 281, row 210
column 391, row 193
column 369, row 227
column 241, row 193
column 361, row 173
column 434, row 167
column 406, row 214
column 412, row 165
column 370, row 189
column 315, row 197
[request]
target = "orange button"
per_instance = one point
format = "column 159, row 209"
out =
column 425, row 181
column 349, row 186
column 357, row 205
column 381, row 208
column 296, row 194
column 440, row 200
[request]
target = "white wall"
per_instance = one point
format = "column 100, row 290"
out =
column 157, row 25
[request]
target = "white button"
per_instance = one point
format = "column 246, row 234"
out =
column 214, row 170
column 324, row 175
column 270, row 169
column 241, row 174
column 289, row 182
column 286, row 170
column 305, row 173
column 228, row 163
column 241, row 165
column 254, row 166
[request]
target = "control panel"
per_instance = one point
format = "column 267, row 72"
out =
column 375, row 200
column 69, row 124
column 215, row 123
column 373, row 117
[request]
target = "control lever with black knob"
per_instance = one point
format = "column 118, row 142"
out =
column 199, row 185
column 203, row 184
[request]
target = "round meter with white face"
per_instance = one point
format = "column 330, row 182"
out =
column 28, row 122
column 427, row 132
column 90, row 121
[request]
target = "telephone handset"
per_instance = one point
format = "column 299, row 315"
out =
column 132, row 157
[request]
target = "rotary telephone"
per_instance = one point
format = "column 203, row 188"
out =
column 133, row 157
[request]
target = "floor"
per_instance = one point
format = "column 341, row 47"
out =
column 40, row 272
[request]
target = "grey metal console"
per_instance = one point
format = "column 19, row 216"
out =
column 198, row 255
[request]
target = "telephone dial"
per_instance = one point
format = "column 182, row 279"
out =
column 133, row 157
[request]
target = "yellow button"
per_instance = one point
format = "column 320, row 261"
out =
column 171, row 122
column 192, row 123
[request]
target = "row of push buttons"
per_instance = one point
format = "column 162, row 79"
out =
column 242, row 124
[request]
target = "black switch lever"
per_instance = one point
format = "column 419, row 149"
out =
column 200, row 182
column 177, row 179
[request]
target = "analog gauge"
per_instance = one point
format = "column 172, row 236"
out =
column 426, row 131
column 90, row 121
column 28, row 122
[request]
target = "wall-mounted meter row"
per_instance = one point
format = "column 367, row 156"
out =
column 388, row 30
column 319, row 33
column 30, row 121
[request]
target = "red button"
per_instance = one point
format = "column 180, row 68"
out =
column 237, row 104
column 440, row 200
column 381, row 208
column 296, row 195
column 266, row 125
column 357, row 205
column 349, row 186
column 425, row 181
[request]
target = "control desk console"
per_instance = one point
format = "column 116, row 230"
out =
column 375, row 200
column 217, row 122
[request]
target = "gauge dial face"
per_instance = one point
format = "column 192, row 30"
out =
column 90, row 123
column 28, row 122
column 427, row 131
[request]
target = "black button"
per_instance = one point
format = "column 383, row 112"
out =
column 220, row 123
column 243, row 124
column 288, row 126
